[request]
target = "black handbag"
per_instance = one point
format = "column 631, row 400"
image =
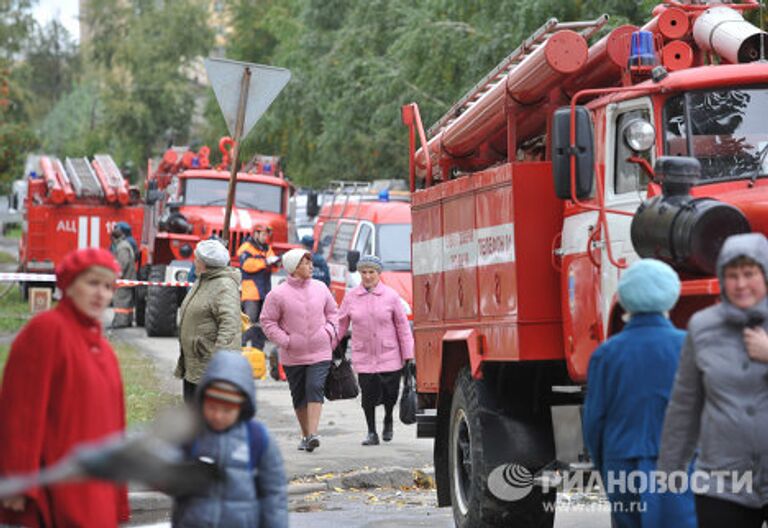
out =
column 341, row 383
column 408, row 398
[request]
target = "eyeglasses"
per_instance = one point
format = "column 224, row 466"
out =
column 267, row 230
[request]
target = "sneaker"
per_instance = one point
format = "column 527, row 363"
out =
column 386, row 434
column 303, row 444
column 313, row 442
column 371, row 439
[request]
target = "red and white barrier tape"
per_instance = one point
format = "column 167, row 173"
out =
column 49, row 277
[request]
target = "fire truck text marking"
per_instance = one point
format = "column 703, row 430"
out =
column 465, row 249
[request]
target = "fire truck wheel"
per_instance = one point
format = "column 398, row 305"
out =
column 162, row 304
column 472, row 500
column 140, row 296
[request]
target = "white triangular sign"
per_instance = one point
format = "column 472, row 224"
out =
column 226, row 77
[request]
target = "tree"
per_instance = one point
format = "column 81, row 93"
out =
column 49, row 67
column 146, row 67
column 16, row 137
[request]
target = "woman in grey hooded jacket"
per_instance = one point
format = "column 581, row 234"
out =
column 720, row 397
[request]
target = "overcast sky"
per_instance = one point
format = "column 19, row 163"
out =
column 64, row 10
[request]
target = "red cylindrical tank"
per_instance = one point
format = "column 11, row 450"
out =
column 69, row 192
column 672, row 23
column 607, row 60
column 109, row 192
column 55, row 191
column 677, row 55
column 564, row 53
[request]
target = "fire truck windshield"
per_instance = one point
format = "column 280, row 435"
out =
column 248, row 195
column 728, row 131
column 394, row 246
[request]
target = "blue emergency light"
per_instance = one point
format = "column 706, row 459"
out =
column 195, row 162
column 642, row 51
column 384, row 195
column 268, row 168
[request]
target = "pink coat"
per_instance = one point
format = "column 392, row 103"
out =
column 381, row 335
column 302, row 318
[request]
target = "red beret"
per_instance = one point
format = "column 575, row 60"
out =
column 76, row 262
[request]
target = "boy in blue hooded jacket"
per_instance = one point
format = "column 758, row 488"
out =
column 629, row 383
column 252, row 492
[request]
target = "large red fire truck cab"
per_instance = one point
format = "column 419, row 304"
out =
column 531, row 196
column 186, row 200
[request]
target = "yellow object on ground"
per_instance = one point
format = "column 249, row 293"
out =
column 258, row 361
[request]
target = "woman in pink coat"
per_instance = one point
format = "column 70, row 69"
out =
column 381, row 343
column 301, row 317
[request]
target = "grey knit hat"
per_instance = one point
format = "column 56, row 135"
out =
column 370, row 261
column 212, row 253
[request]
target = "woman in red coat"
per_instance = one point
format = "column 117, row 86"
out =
column 61, row 387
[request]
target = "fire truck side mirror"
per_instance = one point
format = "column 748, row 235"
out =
column 313, row 208
column 561, row 152
column 353, row 257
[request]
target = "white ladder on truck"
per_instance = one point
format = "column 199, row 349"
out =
column 586, row 28
column 83, row 178
column 114, row 177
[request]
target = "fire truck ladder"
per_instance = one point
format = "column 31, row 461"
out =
column 586, row 28
column 83, row 178
column 114, row 178
column 347, row 189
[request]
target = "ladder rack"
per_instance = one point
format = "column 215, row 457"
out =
column 586, row 28
column 83, row 178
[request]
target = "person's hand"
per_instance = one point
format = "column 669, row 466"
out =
column 15, row 503
column 756, row 341
column 272, row 260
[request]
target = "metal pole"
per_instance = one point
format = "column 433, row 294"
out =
column 245, row 83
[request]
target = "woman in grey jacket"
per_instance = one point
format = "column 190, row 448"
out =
column 720, row 397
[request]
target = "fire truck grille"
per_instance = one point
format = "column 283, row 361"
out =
column 236, row 238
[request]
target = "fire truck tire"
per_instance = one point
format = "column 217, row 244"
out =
column 469, row 466
column 162, row 305
column 140, row 298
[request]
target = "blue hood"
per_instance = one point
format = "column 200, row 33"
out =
column 231, row 367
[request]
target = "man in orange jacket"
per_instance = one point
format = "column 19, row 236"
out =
column 257, row 262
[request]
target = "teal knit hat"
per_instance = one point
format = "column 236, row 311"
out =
column 648, row 286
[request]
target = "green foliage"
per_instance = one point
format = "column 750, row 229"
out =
column 143, row 396
column 14, row 312
column 15, row 24
column 50, row 66
column 355, row 63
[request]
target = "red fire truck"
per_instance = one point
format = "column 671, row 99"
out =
column 535, row 191
column 70, row 205
column 359, row 218
column 185, row 203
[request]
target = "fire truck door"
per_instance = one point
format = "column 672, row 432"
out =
column 580, row 287
column 625, row 188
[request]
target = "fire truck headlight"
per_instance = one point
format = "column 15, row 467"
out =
column 639, row 135
column 180, row 275
column 185, row 251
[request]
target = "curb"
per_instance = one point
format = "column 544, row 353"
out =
column 395, row 477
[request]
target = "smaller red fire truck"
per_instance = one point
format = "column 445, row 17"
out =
column 70, row 205
column 185, row 203
column 363, row 218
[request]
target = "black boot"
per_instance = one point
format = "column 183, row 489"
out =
column 371, row 439
column 386, row 434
